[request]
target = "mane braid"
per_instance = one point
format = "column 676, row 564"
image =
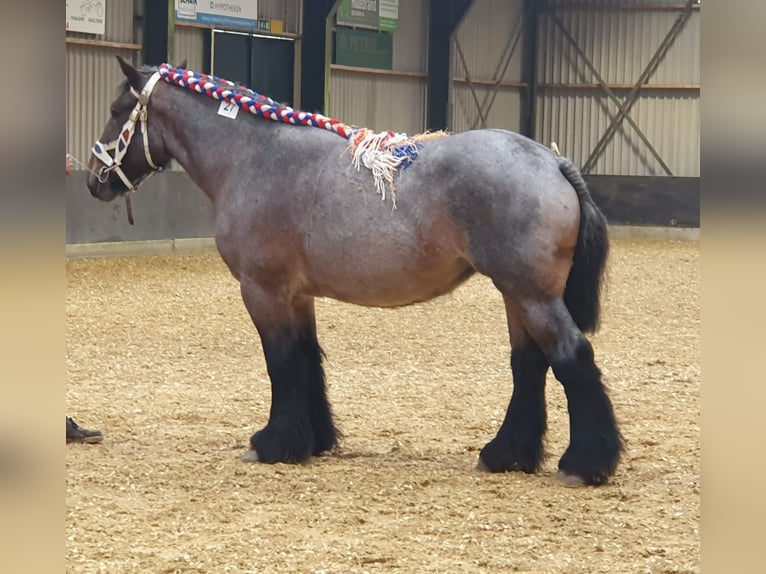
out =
column 380, row 152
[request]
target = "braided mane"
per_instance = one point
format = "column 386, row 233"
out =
column 381, row 152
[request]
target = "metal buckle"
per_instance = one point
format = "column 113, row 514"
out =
column 103, row 173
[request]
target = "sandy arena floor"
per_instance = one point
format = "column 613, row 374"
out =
column 163, row 358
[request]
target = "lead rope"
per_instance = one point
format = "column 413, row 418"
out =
column 100, row 178
column 129, row 207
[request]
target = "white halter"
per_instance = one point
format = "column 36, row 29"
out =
column 120, row 145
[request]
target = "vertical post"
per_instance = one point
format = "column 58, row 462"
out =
column 159, row 16
column 438, row 66
column 529, row 68
column 316, row 54
column 171, row 58
column 328, row 43
column 444, row 18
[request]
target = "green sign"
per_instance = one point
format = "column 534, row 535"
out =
column 388, row 15
column 374, row 14
column 358, row 13
column 364, row 49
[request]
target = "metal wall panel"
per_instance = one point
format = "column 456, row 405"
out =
column 620, row 41
column 289, row 11
column 411, row 37
column 379, row 102
column 505, row 112
column 576, row 120
column 389, row 102
column 620, row 44
column 118, row 25
column 189, row 45
column 484, row 35
column 93, row 76
column 92, row 80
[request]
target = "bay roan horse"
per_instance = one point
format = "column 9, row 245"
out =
column 296, row 219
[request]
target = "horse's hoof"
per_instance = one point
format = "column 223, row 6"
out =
column 251, row 456
column 569, row 480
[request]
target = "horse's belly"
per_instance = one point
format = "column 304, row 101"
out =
column 393, row 288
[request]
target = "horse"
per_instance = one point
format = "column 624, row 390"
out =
column 380, row 219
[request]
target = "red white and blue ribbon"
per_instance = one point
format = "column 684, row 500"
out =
column 381, row 152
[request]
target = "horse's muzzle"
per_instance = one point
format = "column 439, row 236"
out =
column 93, row 185
column 103, row 187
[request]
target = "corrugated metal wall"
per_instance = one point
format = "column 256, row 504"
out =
column 289, row 11
column 118, row 26
column 92, row 78
column 189, row 45
column 620, row 38
column 484, row 36
column 388, row 101
column 93, row 75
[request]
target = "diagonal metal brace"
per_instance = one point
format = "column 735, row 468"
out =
column 601, row 82
column 502, row 65
column 632, row 97
column 470, row 82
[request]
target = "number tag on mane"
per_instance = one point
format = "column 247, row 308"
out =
column 228, row 110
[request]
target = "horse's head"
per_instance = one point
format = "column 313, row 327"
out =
column 129, row 150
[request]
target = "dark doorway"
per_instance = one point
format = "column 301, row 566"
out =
column 263, row 63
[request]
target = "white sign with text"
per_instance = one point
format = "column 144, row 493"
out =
column 236, row 13
column 228, row 110
column 87, row 16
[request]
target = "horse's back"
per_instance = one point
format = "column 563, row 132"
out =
column 495, row 160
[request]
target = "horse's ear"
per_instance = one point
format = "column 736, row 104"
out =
column 135, row 78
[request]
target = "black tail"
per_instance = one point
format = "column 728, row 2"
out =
column 582, row 295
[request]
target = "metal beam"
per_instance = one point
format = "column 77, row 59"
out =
column 316, row 53
column 456, row 9
column 529, row 69
column 159, row 25
column 444, row 18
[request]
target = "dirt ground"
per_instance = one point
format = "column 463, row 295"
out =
column 163, row 358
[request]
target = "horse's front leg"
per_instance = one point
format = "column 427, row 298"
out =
column 283, row 326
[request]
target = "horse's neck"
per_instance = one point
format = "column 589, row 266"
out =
column 207, row 145
column 212, row 149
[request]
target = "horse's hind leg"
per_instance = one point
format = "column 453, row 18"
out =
column 300, row 422
column 519, row 442
column 595, row 443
